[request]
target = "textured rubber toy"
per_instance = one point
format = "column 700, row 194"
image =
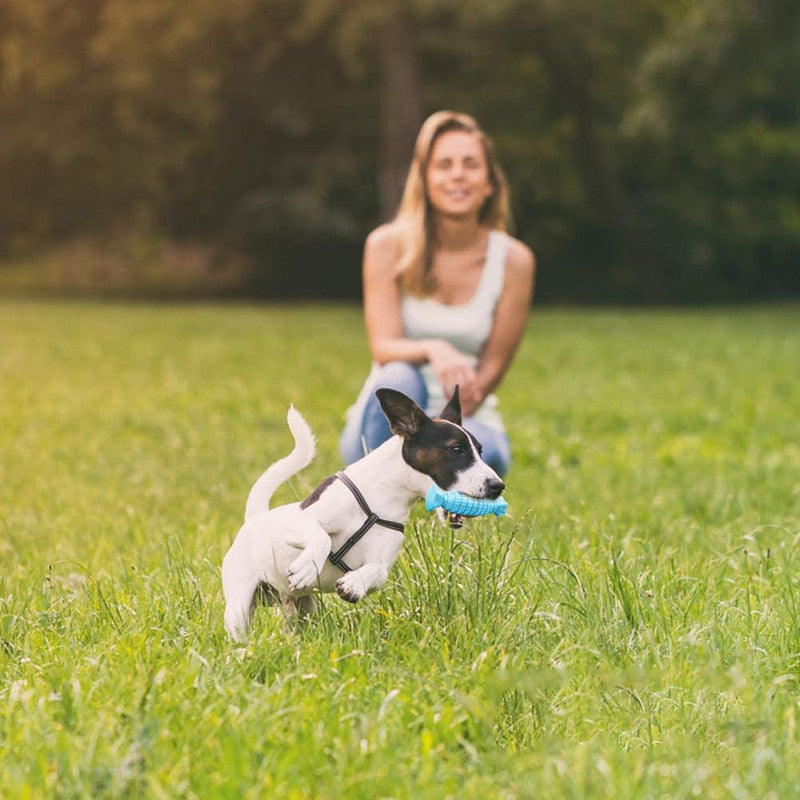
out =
column 458, row 503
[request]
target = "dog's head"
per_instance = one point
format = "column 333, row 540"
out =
column 440, row 448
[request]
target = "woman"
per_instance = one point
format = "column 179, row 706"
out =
column 446, row 290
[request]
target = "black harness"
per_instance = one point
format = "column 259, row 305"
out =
column 337, row 558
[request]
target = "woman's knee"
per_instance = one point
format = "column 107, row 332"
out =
column 498, row 456
column 371, row 428
column 496, row 449
column 403, row 377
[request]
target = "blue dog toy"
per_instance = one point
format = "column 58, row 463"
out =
column 458, row 503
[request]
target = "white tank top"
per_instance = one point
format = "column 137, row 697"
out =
column 466, row 325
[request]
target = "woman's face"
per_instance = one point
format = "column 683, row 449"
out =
column 457, row 176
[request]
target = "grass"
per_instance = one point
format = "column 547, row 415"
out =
column 633, row 631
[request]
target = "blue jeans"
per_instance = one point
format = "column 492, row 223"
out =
column 364, row 434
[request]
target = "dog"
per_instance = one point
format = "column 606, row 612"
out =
column 346, row 535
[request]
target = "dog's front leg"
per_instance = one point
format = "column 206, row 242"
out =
column 315, row 543
column 358, row 583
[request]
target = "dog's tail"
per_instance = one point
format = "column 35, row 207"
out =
column 280, row 471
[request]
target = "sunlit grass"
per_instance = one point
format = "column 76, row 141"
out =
column 631, row 630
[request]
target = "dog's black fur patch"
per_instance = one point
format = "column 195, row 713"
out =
column 317, row 493
column 442, row 451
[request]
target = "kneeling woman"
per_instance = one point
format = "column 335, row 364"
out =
column 446, row 290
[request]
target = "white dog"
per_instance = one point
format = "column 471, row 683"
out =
column 346, row 535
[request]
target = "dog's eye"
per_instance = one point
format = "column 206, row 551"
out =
column 456, row 448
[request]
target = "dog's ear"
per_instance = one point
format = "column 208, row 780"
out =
column 452, row 411
column 404, row 415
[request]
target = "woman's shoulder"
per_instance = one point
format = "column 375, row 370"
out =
column 385, row 238
column 520, row 257
column 383, row 248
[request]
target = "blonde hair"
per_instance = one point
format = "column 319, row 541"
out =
column 414, row 219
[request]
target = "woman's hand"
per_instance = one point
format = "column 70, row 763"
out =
column 453, row 369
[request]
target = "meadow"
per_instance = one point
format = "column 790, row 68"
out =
column 631, row 630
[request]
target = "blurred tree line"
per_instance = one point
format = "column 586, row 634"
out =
column 652, row 145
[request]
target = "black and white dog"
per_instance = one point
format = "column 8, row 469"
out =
column 347, row 534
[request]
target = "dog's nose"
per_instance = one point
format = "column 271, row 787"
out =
column 494, row 488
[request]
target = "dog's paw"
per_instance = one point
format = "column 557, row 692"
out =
column 303, row 573
column 350, row 587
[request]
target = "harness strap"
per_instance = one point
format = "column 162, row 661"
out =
column 337, row 558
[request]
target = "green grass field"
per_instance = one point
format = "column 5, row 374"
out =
column 632, row 631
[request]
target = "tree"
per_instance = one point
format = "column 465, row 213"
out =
column 717, row 113
column 651, row 147
column 401, row 105
column 54, row 136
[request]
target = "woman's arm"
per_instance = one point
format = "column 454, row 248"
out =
column 382, row 300
column 384, row 321
column 510, row 318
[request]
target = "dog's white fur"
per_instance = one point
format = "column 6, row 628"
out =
column 287, row 547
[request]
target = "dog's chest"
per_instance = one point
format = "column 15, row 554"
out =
column 341, row 516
